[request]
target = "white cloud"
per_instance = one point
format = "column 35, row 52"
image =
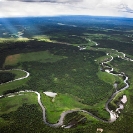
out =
column 66, row 7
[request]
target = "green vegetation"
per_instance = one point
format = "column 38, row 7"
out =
column 42, row 38
column 62, row 102
column 127, row 113
column 71, row 75
column 26, row 119
column 111, row 79
column 72, row 39
column 9, row 75
column 11, row 40
column 56, row 64
column 41, row 56
column 18, row 73
column 79, row 119
column 13, row 86
column 6, row 76
column 106, row 77
column 10, row 104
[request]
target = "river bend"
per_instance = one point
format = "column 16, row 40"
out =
column 63, row 114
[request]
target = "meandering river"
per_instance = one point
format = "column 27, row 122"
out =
column 113, row 116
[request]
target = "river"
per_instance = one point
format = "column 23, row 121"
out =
column 113, row 115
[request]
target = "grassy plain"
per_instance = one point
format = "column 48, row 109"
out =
column 10, row 104
column 41, row 56
column 11, row 40
column 42, row 38
column 18, row 73
column 10, row 87
column 62, row 102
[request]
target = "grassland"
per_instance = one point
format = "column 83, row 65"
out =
column 111, row 79
column 10, row 104
column 18, row 73
column 11, row 40
column 62, row 102
column 13, row 86
column 79, row 119
column 41, row 56
column 106, row 77
column 42, row 38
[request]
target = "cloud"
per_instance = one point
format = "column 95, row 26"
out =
column 15, row 8
column 49, row 1
column 125, row 8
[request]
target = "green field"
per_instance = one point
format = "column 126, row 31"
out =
column 10, row 104
column 13, row 86
column 10, row 40
column 41, row 56
column 62, row 102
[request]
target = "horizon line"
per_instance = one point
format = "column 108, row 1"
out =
column 65, row 15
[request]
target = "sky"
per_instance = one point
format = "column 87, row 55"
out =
column 21, row 8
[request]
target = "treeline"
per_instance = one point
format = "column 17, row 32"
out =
column 125, row 47
column 30, row 46
column 6, row 76
column 69, row 39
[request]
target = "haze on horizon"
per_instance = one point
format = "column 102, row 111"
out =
column 25, row 8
